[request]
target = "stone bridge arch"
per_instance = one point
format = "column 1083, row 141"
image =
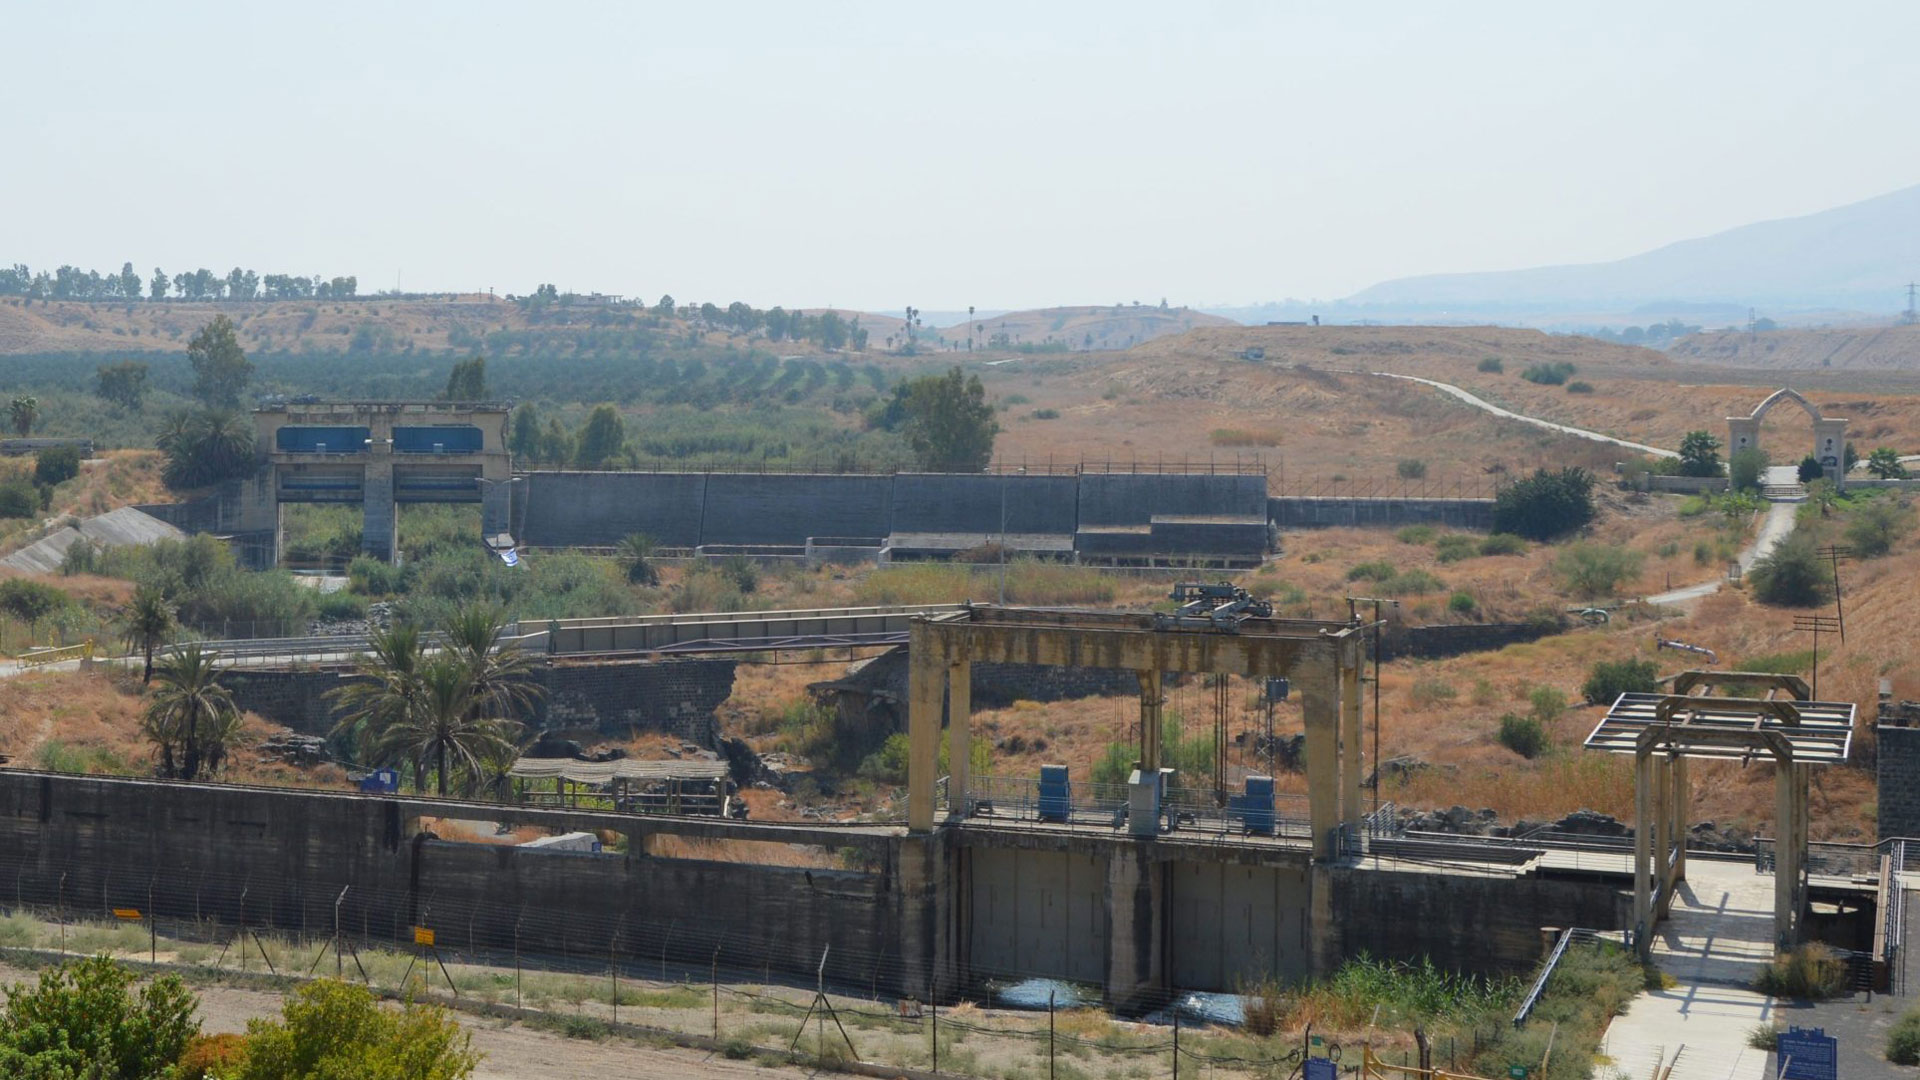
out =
column 1829, row 432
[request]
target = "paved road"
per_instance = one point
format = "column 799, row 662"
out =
column 1775, row 527
column 1564, row 429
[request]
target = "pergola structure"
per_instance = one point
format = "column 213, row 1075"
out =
column 1664, row 731
column 1323, row 659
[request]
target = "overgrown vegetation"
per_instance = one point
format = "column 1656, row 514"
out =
column 1811, row 972
column 1546, row 505
column 85, row 1019
column 1523, row 735
column 1549, row 374
column 1595, row 569
column 1792, row 574
column 1608, row 679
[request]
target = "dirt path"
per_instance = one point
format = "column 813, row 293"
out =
column 513, row 1051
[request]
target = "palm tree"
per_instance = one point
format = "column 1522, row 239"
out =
column 23, row 411
column 384, row 692
column 445, row 726
column 192, row 711
column 635, row 552
column 503, row 685
column 147, row 623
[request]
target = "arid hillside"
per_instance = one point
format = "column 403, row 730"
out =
column 1074, row 328
column 1866, row 348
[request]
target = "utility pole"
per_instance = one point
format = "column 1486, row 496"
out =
column 1378, row 626
column 1816, row 625
column 1912, row 314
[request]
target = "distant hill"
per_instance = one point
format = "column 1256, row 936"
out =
column 1870, row 348
column 1856, row 256
column 1073, row 328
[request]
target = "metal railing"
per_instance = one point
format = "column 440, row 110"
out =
column 55, row 655
column 1015, row 800
column 1567, row 937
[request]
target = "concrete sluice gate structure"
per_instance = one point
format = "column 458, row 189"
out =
column 977, row 887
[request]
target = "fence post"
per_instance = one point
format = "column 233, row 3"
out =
column 1049, row 1035
column 933, row 1010
column 1176, row 1042
column 153, row 932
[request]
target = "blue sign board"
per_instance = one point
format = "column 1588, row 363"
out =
column 1808, row 1054
column 1322, row 1069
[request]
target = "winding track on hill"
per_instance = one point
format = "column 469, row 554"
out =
column 1508, row 414
column 1775, row 527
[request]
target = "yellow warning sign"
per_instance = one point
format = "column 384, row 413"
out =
column 422, row 936
column 127, row 913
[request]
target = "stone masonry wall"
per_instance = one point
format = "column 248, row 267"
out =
column 678, row 697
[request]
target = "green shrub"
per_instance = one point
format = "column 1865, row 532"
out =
column 30, row 601
column 1502, row 544
column 1810, row 973
column 1747, row 468
column 1809, row 470
column 1411, row 583
column 1594, row 569
column 369, row 576
column 1608, row 679
column 1461, row 603
column 1411, row 469
column 341, row 604
column 1491, row 365
column 1877, row 525
column 1046, row 414
column 1548, row 703
column 1379, row 570
column 88, row 1018
column 1453, row 547
column 1552, row 374
column 1792, row 575
column 1545, row 505
column 1523, row 735
column 1903, row 1041
column 1415, row 534
column 1577, row 387
column 56, row 465
column 19, row 498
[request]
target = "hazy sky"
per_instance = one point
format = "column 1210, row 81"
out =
column 1005, row 155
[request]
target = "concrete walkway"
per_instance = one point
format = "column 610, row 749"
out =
column 1775, row 527
column 1564, row 429
column 1717, row 937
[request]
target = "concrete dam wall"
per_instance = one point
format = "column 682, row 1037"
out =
column 1102, row 515
column 950, row 910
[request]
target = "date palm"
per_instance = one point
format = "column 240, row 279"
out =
column 384, row 691
column 446, row 727
column 147, row 623
column 190, row 710
column 503, row 685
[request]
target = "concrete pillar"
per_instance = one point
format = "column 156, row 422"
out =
column 926, row 678
column 1662, row 831
column 1743, row 433
column 959, row 733
column 1783, row 856
column 1352, row 749
column 1643, row 853
column 1137, row 929
column 1830, row 446
column 1323, row 937
column 1320, row 706
column 496, row 508
column 1153, row 699
column 1682, row 801
column 380, row 526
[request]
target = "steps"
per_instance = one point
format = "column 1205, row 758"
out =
column 1783, row 492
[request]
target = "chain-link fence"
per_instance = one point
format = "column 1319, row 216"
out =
column 703, row 982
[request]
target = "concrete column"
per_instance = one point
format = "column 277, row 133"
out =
column 1783, row 856
column 1682, row 801
column 1743, row 433
column 1662, row 831
column 1137, row 929
column 926, row 678
column 1642, row 853
column 496, row 508
column 1153, row 699
column 380, row 526
column 1830, row 446
column 1352, row 749
column 1321, row 708
column 959, row 733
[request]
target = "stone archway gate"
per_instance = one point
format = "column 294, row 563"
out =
column 1829, row 432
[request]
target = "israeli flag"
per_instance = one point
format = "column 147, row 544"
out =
column 510, row 556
